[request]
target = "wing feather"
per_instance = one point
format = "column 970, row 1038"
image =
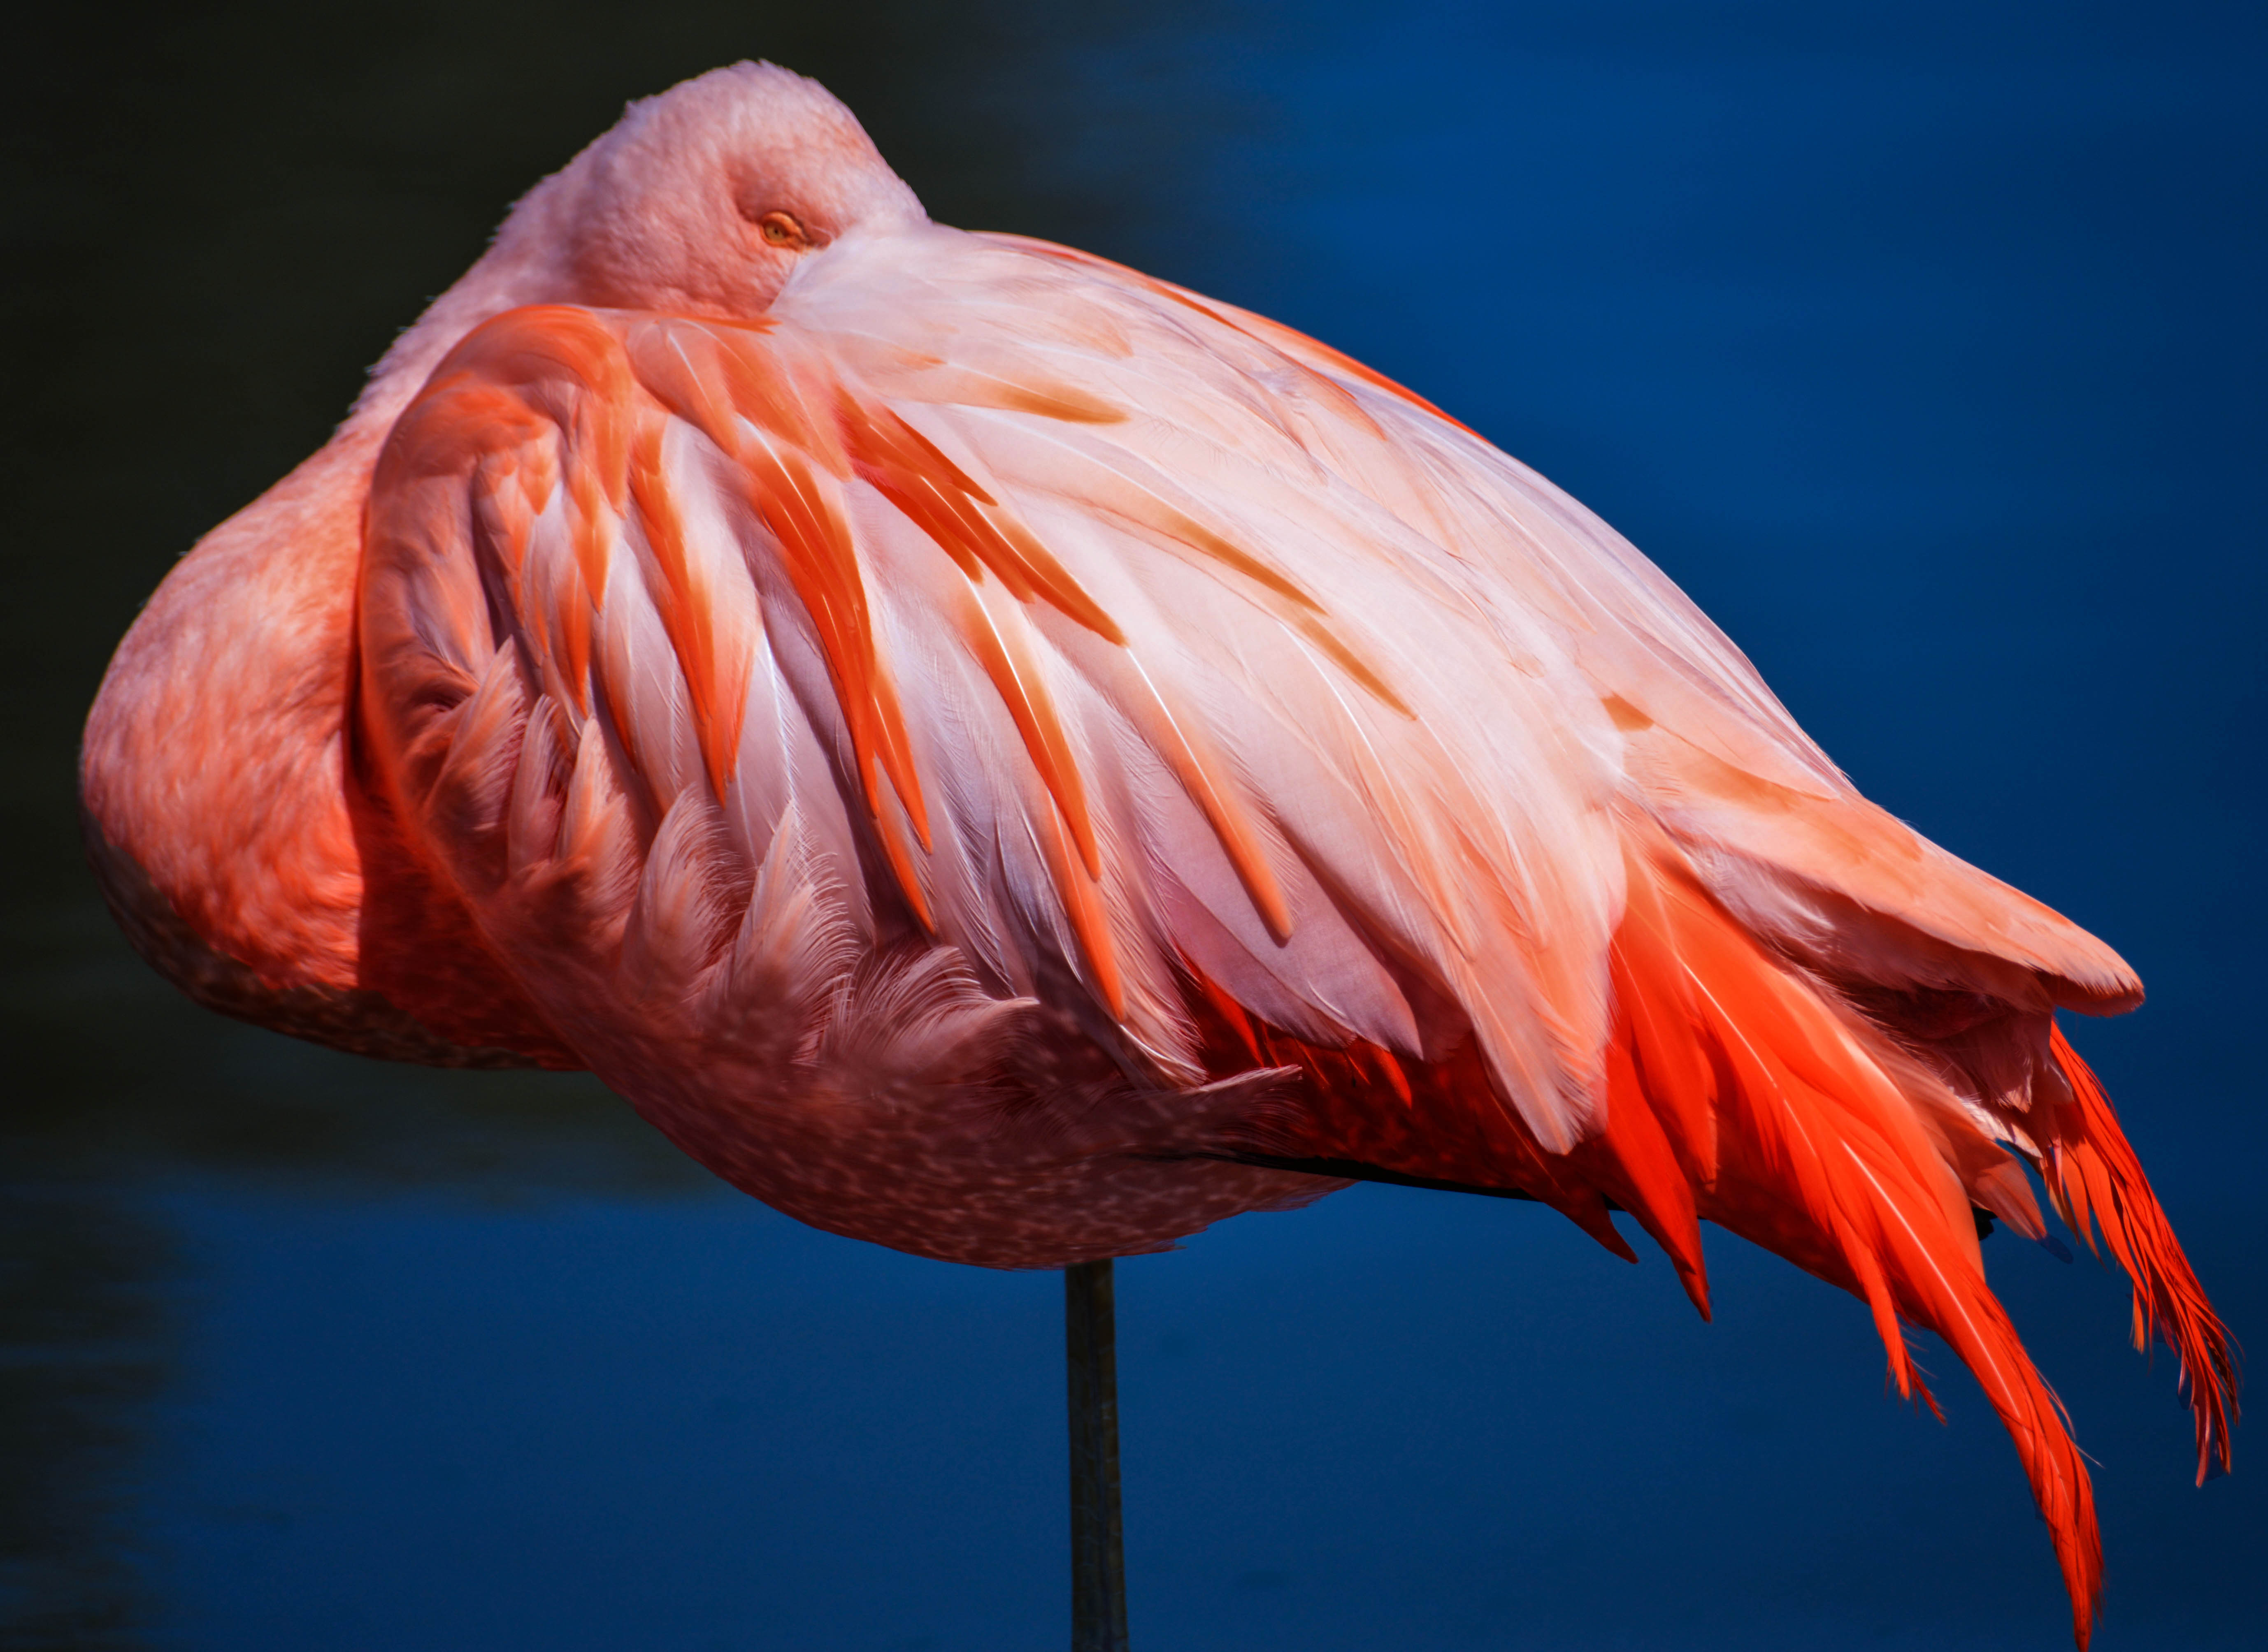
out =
column 993, row 658
column 1168, row 547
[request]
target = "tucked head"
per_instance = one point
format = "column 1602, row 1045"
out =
column 701, row 201
column 705, row 198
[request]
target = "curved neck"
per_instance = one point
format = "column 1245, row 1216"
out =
column 214, row 757
column 223, row 816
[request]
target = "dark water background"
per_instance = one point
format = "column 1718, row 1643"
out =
column 1923, row 344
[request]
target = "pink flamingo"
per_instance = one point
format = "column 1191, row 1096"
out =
column 1008, row 759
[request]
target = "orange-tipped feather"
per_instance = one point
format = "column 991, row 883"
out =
column 1740, row 1090
column 1822, row 1159
column 2098, row 1184
column 588, row 667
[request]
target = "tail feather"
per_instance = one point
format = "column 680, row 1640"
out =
column 1822, row 1157
column 2097, row 1183
column 1742, row 1088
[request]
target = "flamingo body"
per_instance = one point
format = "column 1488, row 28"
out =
column 1006, row 758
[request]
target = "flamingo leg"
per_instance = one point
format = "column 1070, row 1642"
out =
column 1098, row 1557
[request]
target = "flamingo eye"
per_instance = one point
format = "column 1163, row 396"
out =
column 780, row 229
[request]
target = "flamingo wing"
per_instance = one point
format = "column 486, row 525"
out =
column 1124, row 656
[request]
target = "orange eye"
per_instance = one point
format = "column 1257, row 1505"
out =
column 780, row 229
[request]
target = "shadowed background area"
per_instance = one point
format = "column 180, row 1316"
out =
column 1922, row 346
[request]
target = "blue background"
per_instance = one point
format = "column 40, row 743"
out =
column 1922, row 344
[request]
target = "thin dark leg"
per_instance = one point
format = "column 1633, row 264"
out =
column 1098, row 1555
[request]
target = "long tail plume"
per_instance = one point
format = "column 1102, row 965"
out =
column 1744, row 1090
column 2097, row 1183
column 1785, row 1122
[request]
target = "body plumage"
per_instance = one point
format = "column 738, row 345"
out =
column 1011, row 760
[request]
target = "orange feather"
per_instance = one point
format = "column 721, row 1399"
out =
column 1001, row 756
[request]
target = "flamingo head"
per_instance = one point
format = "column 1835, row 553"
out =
column 246, row 878
column 704, row 199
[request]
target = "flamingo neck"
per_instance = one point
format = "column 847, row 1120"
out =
column 212, row 773
column 223, row 816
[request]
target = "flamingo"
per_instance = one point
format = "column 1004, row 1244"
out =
column 1006, row 758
